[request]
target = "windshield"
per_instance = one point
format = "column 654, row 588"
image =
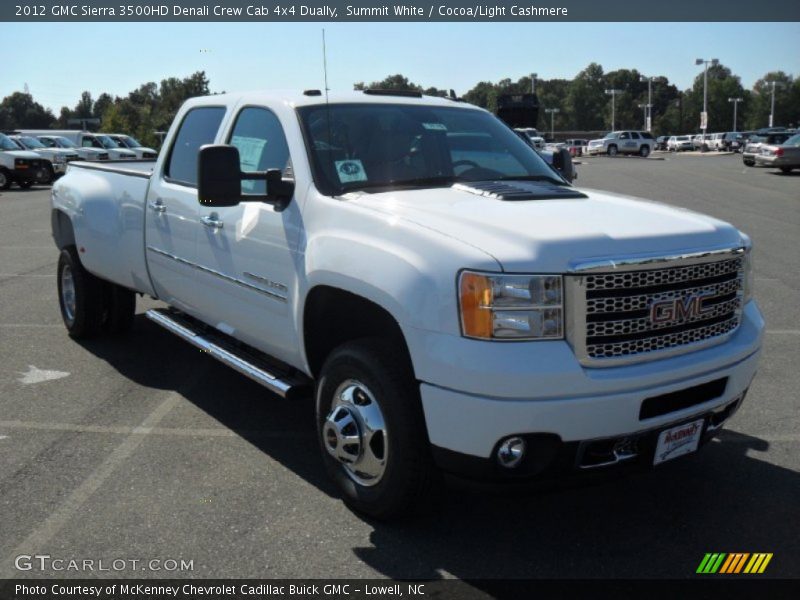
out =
column 128, row 141
column 361, row 146
column 6, row 143
column 31, row 142
column 63, row 142
column 610, row 134
column 107, row 142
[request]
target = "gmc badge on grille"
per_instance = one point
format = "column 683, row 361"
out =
column 679, row 309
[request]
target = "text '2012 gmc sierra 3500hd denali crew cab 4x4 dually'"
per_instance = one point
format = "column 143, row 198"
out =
column 456, row 305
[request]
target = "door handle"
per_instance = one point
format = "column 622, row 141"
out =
column 212, row 221
column 158, row 206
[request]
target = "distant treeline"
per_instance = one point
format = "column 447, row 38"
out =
column 582, row 101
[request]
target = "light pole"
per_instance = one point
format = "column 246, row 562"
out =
column 533, row 82
column 735, row 104
column 704, row 117
column 773, row 83
column 552, row 112
column 613, row 93
column 648, row 118
column 646, row 109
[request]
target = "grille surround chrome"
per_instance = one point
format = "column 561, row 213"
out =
column 600, row 277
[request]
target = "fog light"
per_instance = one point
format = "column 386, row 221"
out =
column 511, row 452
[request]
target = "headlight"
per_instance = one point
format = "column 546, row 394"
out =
column 511, row 307
column 748, row 276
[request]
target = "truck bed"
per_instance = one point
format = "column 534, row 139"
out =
column 106, row 204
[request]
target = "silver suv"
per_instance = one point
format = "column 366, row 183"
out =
column 623, row 142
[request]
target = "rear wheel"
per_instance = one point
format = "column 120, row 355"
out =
column 80, row 295
column 786, row 169
column 25, row 184
column 5, row 179
column 748, row 162
column 612, row 150
column 372, row 431
column 644, row 151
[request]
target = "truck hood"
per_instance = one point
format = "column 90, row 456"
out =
column 22, row 154
column 553, row 235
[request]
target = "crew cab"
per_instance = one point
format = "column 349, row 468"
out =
column 21, row 166
column 453, row 304
column 623, row 142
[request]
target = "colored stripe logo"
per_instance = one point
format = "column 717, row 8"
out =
column 734, row 563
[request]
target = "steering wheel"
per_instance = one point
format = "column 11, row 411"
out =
column 465, row 163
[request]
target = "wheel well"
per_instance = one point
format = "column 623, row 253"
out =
column 333, row 316
column 63, row 234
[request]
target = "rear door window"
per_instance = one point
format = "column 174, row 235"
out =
column 199, row 127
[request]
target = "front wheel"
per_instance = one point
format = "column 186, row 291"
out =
column 748, row 163
column 5, row 179
column 372, row 431
column 612, row 150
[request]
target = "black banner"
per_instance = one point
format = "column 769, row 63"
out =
column 412, row 10
column 730, row 588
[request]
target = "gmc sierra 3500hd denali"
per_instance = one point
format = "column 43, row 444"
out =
column 456, row 305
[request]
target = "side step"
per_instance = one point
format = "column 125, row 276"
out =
column 228, row 351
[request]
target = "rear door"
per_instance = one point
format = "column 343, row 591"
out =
column 172, row 211
column 247, row 253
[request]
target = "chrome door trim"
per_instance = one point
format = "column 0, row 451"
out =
column 228, row 278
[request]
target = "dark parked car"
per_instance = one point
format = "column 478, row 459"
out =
column 661, row 142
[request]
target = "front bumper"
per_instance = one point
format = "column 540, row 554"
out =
column 34, row 171
column 540, row 389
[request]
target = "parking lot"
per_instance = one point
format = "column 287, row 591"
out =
column 144, row 448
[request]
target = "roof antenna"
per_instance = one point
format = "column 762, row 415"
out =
column 325, row 64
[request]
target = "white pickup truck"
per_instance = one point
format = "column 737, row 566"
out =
column 455, row 305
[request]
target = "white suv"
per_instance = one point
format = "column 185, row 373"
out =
column 623, row 142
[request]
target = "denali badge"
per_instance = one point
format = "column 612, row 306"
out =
column 678, row 309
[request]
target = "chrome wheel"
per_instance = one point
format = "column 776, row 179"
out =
column 354, row 433
column 68, row 293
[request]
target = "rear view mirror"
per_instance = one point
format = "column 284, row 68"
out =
column 219, row 180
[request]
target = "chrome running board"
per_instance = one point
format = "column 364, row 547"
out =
column 224, row 349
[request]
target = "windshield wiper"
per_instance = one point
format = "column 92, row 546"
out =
column 422, row 182
column 533, row 178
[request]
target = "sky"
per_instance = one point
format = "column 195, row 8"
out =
column 59, row 60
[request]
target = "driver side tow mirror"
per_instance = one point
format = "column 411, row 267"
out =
column 219, row 180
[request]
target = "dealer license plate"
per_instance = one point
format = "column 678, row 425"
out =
column 677, row 441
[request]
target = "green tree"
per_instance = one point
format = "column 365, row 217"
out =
column 19, row 110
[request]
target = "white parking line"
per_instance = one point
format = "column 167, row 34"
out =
column 783, row 331
column 39, row 538
column 37, row 375
column 163, row 431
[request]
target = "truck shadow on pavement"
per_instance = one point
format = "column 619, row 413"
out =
column 652, row 523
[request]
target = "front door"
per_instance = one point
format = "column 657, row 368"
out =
column 246, row 252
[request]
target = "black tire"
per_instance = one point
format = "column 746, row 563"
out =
column 121, row 308
column 408, row 479
column 612, row 150
column 748, row 163
column 786, row 169
column 25, row 184
column 5, row 179
column 644, row 151
column 81, row 296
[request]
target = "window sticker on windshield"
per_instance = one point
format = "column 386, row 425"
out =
column 350, row 170
column 435, row 126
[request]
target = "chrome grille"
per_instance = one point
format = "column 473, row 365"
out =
column 614, row 320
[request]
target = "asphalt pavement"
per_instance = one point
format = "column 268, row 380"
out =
column 142, row 448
